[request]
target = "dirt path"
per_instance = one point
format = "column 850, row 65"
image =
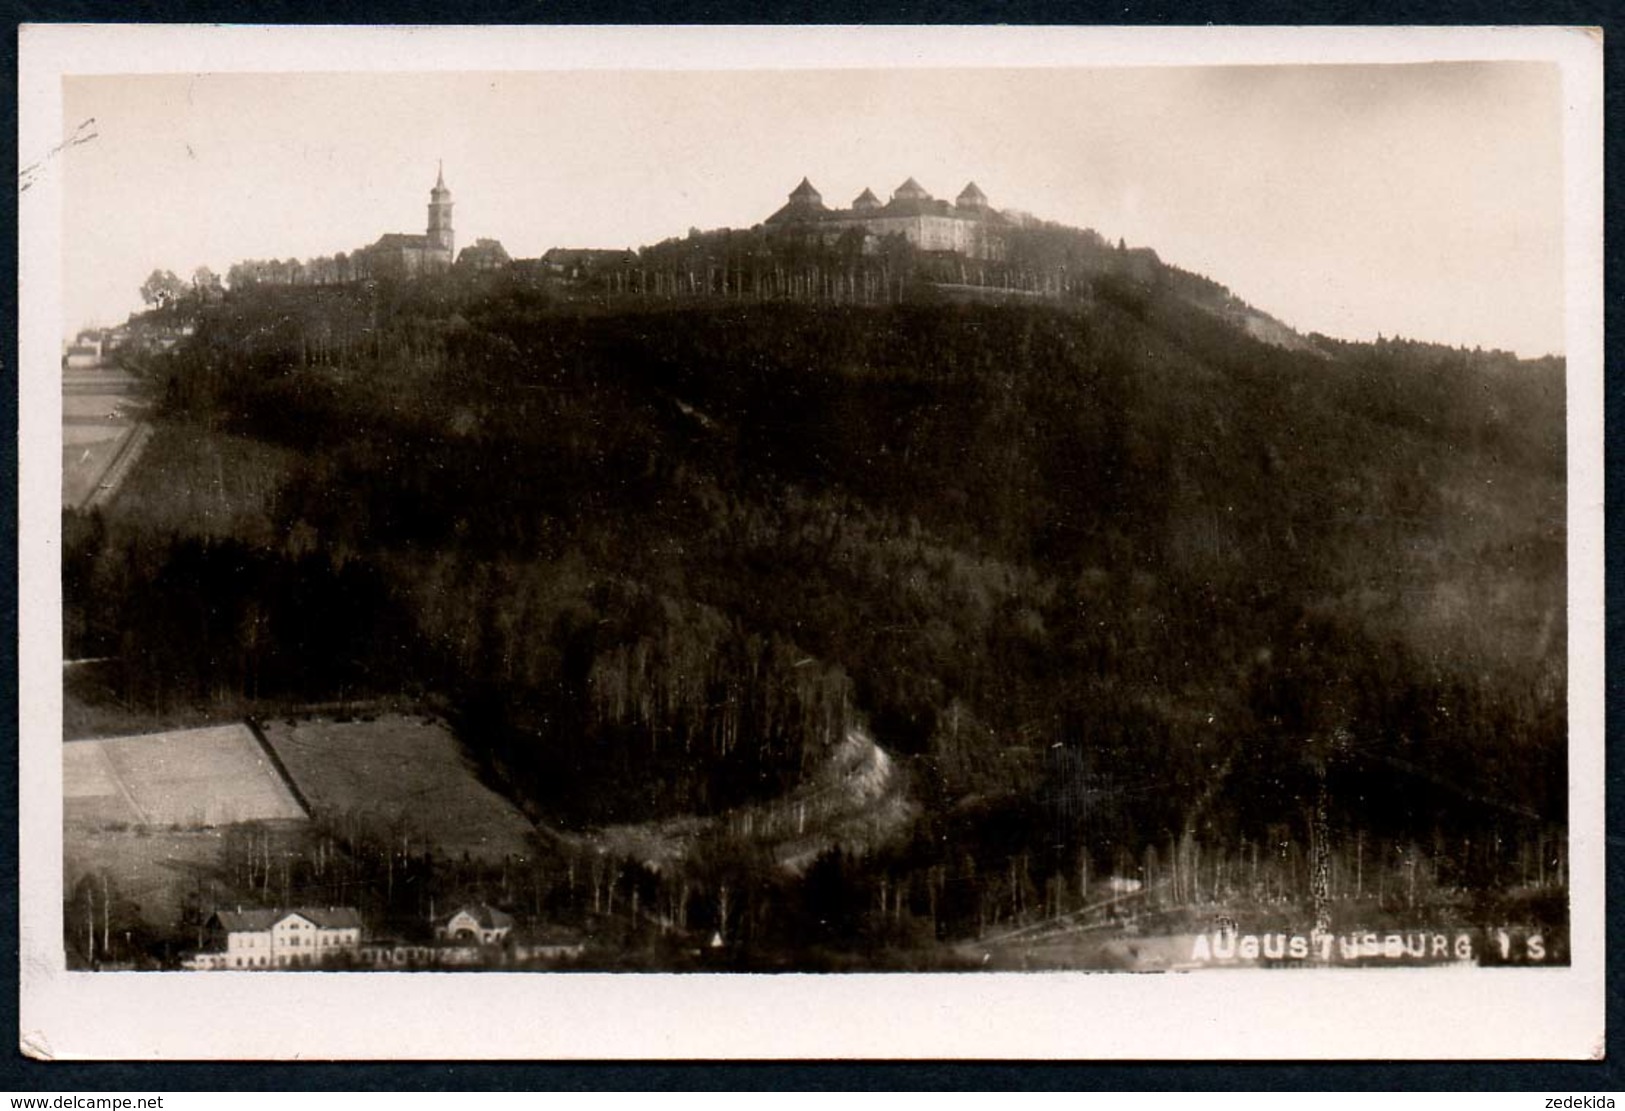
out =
column 102, row 433
column 103, row 490
column 854, row 800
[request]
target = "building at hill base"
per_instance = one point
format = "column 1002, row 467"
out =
column 302, row 937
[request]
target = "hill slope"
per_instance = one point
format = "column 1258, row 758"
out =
column 1104, row 577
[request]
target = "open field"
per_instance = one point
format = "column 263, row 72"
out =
column 86, row 458
column 79, row 409
column 196, row 778
column 202, row 482
column 153, row 868
column 402, row 771
column 100, row 415
column 79, row 434
column 153, row 812
column 106, row 378
column 157, row 871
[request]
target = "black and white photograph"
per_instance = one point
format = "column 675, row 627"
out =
column 609, row 514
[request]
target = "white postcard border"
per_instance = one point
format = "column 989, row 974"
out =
column 1400, row 1013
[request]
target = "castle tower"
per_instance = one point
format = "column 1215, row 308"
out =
column 805, row 196
column 972, row 197
column 440, row 234
column 910, row 190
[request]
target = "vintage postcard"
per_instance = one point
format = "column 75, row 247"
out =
column 896, row 542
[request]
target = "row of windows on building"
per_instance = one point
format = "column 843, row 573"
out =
column 322, row 939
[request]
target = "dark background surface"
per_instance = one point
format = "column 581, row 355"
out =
column 23, row 1075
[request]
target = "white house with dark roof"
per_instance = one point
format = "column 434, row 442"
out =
column 82, row 354
column 476, row 922
column 295, row 938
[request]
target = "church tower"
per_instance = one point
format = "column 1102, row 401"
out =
column 440, row 234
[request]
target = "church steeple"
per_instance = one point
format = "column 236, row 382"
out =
column 440, row 236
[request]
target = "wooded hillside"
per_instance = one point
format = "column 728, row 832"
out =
column 1107, row 578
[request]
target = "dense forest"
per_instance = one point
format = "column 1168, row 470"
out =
column 1119, row 586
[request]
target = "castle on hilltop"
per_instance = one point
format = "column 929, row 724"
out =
column 398, row 254
column 968, row 226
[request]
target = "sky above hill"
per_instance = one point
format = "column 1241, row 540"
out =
column 1421, row 200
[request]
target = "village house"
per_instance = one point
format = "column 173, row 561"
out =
column 475, row 922
column 474, row 935
column 82, row 356
column 88, row 349
column 295, row 938
column 484, row 254
column 577, row 264
column 457, row 945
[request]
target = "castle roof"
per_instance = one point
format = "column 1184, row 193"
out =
column 910, row 199
column 910, row 190
column 806, row 193
column 916, row 206
column 806, row 203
